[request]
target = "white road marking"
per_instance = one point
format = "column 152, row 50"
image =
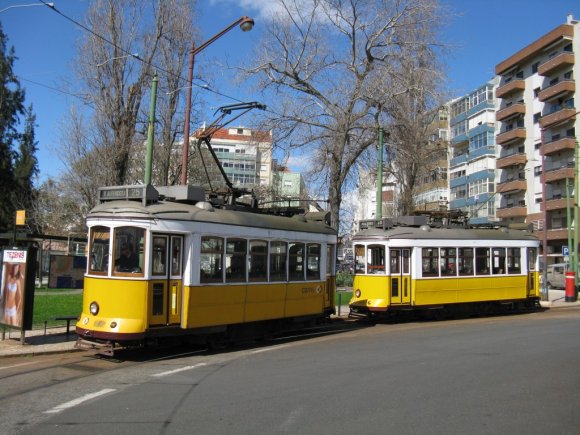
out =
column 19, row 365
column 78, row 401
column 292, row 419
column 268, row 349
column 182, row 369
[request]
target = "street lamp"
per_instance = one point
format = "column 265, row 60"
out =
column 50, row 5
column 246, row 24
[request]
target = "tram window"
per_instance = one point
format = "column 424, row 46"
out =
column 430, row 261
column 99, row 249
column 395, row 261
column 296, row 262
column 211, row 259
column 376, row 259
column 359, row 259
column 465, row 261
column 482, row 261
column 448, row 262
column 514, row 261
column 159, row 254
column 258, row 261
column 176, row 255
column 236, row 260
column 330, row 260
column 498, row 261
column 406, row 262
column 129, row 246
column 532, row 258
column 313, row 262
column 278, row 255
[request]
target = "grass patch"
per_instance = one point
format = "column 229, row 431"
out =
column 49, row 304
column 342, row 298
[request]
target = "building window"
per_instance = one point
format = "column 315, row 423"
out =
column 536, row 92
column 537, row 117
column 535, row 67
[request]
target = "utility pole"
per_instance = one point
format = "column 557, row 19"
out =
column 151, row 131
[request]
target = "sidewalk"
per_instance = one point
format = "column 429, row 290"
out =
column 37, row 342
column 56, row 340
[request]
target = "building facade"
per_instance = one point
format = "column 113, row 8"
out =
column 472, row 175
column 537, row 119
column 245, row 155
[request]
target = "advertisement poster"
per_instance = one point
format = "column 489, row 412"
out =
column 67, row 271
column 15, row 289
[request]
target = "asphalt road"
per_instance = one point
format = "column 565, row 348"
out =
column 494, row 375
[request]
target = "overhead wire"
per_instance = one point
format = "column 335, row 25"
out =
column 129, row 54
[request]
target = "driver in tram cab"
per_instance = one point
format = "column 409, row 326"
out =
column 128, row 261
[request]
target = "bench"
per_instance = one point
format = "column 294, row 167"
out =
column 68, row 319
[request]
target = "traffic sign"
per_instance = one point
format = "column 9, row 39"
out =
column 565, row 251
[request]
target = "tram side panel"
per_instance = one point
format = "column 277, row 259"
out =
column 123, row 305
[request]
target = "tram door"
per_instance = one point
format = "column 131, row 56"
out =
column 400, row 276
column 532, row 258
column 166, row 279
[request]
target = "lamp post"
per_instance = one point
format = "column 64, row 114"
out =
column 379, row 211
column 545, row 211
column 246, row 24
column 50, row 5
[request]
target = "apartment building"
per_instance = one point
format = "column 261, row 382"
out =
column 472, row 163
column 431, row 189
column 245, row 155
column 537, row 124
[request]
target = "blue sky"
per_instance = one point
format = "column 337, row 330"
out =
column 481, row 33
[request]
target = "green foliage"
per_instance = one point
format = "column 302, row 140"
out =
column 343, row 279
column 17, row 167
column 50, row 304
column 342, row 298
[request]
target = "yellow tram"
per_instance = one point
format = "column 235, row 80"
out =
column 165, row 262
column 413, row 263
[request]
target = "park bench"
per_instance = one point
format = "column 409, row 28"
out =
column 68, row 319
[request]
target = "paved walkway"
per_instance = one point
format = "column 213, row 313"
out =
column 56, row 340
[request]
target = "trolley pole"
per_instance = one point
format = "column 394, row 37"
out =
column 151, row 131
column 379, row 212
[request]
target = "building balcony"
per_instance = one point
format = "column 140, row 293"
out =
column 510, row 88
column 513, row 160
column 510, row 111
column 565, row 143
column 512, row 135
column 512, row 186
column 550, row 39
column 511, row 212
column 553, row 175
column 557, row 117
column 557, row 204
column 557, row 90
column 556, row 63
column 557, row 234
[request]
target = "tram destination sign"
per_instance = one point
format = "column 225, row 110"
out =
column 128, row 193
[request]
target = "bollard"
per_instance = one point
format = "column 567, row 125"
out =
column 339, row 302
column 570, row 289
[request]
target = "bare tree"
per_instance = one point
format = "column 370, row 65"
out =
column 331, row 67
column 103, row 143
column 411, row 152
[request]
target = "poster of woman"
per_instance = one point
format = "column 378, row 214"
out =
column 13, row 273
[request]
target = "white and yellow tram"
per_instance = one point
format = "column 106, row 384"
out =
column 198, row 269
column 410, row 265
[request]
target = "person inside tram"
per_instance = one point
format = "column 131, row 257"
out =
column 128, row 261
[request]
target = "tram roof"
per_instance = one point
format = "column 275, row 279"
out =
column 433, row 233
column 204, row 212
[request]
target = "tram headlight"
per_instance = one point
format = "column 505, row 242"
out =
column 94, row 308
column 357, row 293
